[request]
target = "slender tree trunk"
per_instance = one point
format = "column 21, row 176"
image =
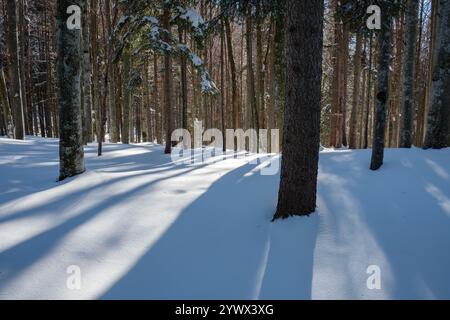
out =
column 251, row 97
column 113, row 122
column 126, row 59
column 71, row 152
column 87, row 103
column 299, row 168
column 234, row 88
column 95, row 66
column 14, row 71
column 382, row 94
column 158, row 122
column 409, row 75
column 222, row 84
column 356, row 87
column 167, row 85
column 369, row 95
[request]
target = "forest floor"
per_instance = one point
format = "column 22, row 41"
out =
column 139, row 226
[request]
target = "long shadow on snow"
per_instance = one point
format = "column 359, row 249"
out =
column 223, row 246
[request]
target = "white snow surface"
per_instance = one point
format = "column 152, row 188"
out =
column 140, row 227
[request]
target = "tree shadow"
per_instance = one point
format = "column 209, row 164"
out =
column 223, row 246
column 374, row 218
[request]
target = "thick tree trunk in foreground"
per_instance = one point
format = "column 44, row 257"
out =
column 382, row 94
column 14, row 71
column 298, row 186
column 439, row 113
column 409, row 75
column 71, row 153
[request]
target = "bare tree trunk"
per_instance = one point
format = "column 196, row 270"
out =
column 382, row 94
column 251, row 97
column 439, row 112
column 298, row 186
column 369, row 95
column 87, row 103
column 113, row 122
column 71, row 152
column 14, row 71
column 95, row 67
column 356, row 87
column 409, row 75
column 222, row 84
column 126, row 59
column 167, row 85
column 158, row 122
column 234, row 89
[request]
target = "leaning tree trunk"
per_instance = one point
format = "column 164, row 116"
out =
column 71, row 153
column 382, row 94
column 14, row 71
column 409, row 75
column 439, row 113
column 298, row 186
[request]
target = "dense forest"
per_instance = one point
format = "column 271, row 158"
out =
column 164, row 118
column 151, row 66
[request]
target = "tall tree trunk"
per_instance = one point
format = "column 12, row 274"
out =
column 158, row 121
column 382, row 94
column 14, row 71
column 126, row 60
column 167, row 84
column 95, row 64
column 409, row 75
column 251, row 94
column 71, row 152
column 114, row 129
column 298, row 186
column 339, row 88
column 439, row 111
column 222, row 84
column 369, row 95
column 234, row 88
column 356, row 87
column 259, row 67
column 87, row 103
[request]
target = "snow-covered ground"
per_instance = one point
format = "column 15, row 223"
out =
column 138, row 226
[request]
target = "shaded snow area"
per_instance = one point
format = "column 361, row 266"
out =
column 136, row 225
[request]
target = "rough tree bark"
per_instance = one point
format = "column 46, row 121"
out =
column 406, row 124
column 71, row 152
column 14, row 71
column 298, row 186
column 439, row 112
column 382, row 95
column 165, row 22
column 234, row 89
column 87, row 97
column 356, row 87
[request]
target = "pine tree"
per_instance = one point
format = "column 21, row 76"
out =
column 298, row 186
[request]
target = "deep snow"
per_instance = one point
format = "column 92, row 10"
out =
column 139, row 226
